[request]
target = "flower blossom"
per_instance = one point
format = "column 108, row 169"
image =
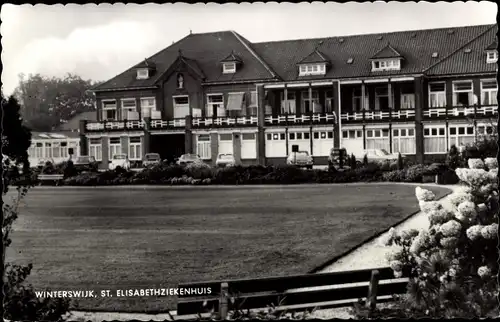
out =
column 439, row 216
column 472, row 177
column 449, row 242
column 491, row 163
column 396, row 266
column 419, row 242
column 458, row 197
column 490, row 231
column 483, row 272
column 424, row 194
column 474, row 232
column 466, row 210
column 450, row 229
column 476, row 164
column 428, row 206
column 452, row 272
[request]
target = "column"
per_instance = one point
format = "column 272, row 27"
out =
column 261, row 140
column 391, row 108
column 237, row 146
column 214, row 146
column 363, row 107
column 84, row 148
column 419, row 128
column 188, row 136
column 124, row 141
column 285, row 98
column 336, row 109
column 105, row 152
column 146, row 145
column 311, row 109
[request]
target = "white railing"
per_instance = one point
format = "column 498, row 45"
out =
column 177, row 122
column 301, row 119
column 484, row 110
column 158, row 124
column 435, row 112
column 459, row 111
column 134, row 124
column 95, row 126
column 225, row 121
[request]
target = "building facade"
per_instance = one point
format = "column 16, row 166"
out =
column 413, row 92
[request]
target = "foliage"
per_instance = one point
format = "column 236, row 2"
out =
column 415, row 173
column 365, row 159
column 19, row 300
column 453, row 264
column 354, row 162
column 400, row 162
column 49, row 102
column 454, row 159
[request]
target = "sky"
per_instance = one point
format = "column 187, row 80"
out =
column 100, row 41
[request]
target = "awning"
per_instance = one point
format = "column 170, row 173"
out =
column 235, row 101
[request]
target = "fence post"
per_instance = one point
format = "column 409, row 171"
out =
column 371, row 300
column 223, row 302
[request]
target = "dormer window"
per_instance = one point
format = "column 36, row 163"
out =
column 386, row 64
column 491, row 56
column 312, row 69
column 142, row 73
column 229, row 68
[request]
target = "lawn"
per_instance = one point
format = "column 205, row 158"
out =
column 132, row 237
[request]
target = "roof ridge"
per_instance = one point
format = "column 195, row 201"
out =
column 247, row 46
column 371, row 34
column 458, row 49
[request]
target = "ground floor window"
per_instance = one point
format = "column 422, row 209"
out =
column 377, row 139
column 403, row 141
column 435, row 140
column 275, row 144
column 95, row 148
column 135, row 148
column 248, row 146
column 461, row 135
column 322, row 142
column 203, row 148
column 115, row 147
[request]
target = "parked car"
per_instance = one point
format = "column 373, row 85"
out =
column 335, row 155
column 44, row 161
column 225, row 160
column 300, row 159
column 119, row 160
column 151, row 159
column 189, row 158
column 86, row 163
column 379, row 155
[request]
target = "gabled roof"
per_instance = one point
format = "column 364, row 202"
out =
column 231, row 58
column 470, row 57
column 387, row 52
column 315, row 57
column 207, row 49
column 146, row 64
column 416, row 46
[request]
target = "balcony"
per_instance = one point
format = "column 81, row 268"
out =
column 304, row 119
column 460, row 112
column 218, row 122
column 372, row 116
column 110, row 126
column 174, row 124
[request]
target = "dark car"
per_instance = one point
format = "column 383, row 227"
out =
column 151, row 159
column 335, row 157
column 86, row 163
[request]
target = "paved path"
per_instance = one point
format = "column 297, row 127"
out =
column 370, row 255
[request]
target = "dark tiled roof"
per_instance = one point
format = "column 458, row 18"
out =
column 146, row 64
column 470, row 57
column 387, row 52
column 54, row 135
column 231, row 58
column 315, row 57
column 415, row 46
column 208, row 49
column 73, row 124
column 493, row 45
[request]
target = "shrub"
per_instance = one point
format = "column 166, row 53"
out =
column 394, row 176
column 486, row 148
column 414, row 173
column 69, row 169
column 353, row 162
column 385, row 165
column 454, row 159
column 199, row 170
column 365, row 160
column 452, row 264
column 369, row 172
column 400, row 162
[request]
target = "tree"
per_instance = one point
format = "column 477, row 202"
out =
column 48, row 102
column 400, row 162
column 19, row 302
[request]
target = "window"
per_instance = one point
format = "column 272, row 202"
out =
column 247, row 136
column 306, row 102
column 95, row 149
column 225, row 137
column 462, row 93
column 377, row 139
column 437, row 95
column 489, row 90
column 148, row 104
column 382, row 98
column 109, row 110
column 357, row 102
column 56, row 151
column 143, row 73
column 115, row 147
column 229, row 68
column 291, row 136
column 215, row 105
column 407, row 101
column 252, row 107
column 435, row 140
column 48, row 150
column 403, row 141
column 461, row 135
column 135, row 148
column 203, row 148
column 312, row 69
column 288, row 105
column 491, row 56
column 386, row 64
column 181, row 106
column 128, row 105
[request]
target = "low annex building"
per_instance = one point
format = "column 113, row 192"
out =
column 415, row 92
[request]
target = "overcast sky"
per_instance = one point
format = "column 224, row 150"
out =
column 99, row 41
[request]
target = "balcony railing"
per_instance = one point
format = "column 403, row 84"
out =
column 178, row 123
column 293, row 119
column 114, row 125
column 460, row 112
column 211, row 122
column 377, row 115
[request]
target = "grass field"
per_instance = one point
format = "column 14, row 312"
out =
column 107, row 238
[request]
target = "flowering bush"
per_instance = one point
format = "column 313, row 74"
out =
column 453, row 265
